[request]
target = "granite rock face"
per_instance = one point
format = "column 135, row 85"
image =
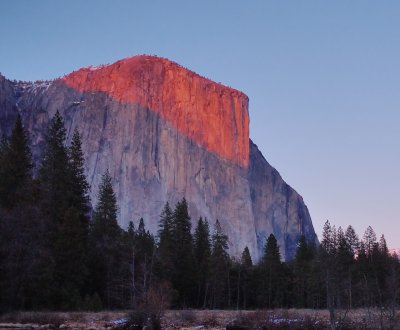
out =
column 214, row 116
column 165, row 132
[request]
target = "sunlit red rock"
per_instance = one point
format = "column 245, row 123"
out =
column 213, row 115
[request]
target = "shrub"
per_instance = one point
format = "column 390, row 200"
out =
column 151, row 307
column 187, row 315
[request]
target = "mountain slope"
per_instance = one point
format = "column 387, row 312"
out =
column 165, row 132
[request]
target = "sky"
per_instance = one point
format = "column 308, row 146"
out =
column 323, row 78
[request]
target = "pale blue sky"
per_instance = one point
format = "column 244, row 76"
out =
column 323, row 80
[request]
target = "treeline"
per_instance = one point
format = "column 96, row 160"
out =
column 56, row 253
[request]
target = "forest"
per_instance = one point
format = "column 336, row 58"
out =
column 57, row 253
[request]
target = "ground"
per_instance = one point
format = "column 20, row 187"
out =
column 202, row 319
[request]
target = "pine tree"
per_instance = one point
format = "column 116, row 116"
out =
column 15, row 166
column 130, row 241
column 328, row 242
column 27, row 263
column 344, row 250
column 383, row 249
column 72, row 235
column 105, row 245
column 65, row 204
column 71, row 264
column 381, row 269
column 246, row 260
column 272, row 272
column 328, row 259
column 54, row 174
column 219, row 265
column 20, row 151
column 183, row 280
column 271, row 250
column 369, row 240
column 355, row 275
column 145, row 249
column 106, row 208
column 79, row 185
column 245, row 276
column 345, row 260
column 202, row 254
column 303, row 273
column 166, row 243
column 55, row 192
column 352, row 240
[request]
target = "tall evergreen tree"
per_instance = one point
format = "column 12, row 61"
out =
column 70, row 256
column 65, row 205
column 183, row 280
column 219, row 265
column 105, row 245
column 106, row 208
column 246, row 260
column 79, row 185
column 202, row 254
column 72, row 234
column 15, row 166
column 369, row 240
column 352, row 240
column 130, row 241
column 328, row 260
column 345, row 260
column 27, row 263
column 303, row 273
column 380, row 268
column 353, row 244
column 77, row 216
column 383, row 246
column 145, row 249
column 272, row 272
column 328, row 242
column 245, row 276
column 54, row 173
column 166, row 243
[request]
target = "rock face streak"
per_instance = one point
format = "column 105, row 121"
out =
column 165, row 132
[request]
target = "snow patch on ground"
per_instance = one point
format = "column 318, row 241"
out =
column 120, row 321
column 285, row 321
column 95, row 67
column 36, row 87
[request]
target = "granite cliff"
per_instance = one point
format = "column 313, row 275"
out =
column 165, row 132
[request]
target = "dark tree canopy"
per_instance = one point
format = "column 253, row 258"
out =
column 246, row 258
column 15, row 165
